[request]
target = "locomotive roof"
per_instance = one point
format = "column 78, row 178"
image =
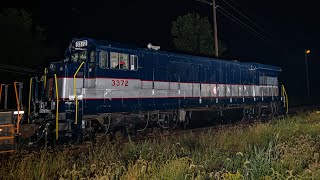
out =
column 104, row 43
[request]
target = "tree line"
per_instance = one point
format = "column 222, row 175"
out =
column 23, row 42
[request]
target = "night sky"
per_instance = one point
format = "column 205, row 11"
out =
column 292, row 26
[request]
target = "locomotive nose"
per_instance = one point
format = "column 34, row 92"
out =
column 57, row 68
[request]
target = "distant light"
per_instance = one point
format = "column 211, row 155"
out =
column 308, row 51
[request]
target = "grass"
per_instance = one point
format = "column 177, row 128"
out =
column 282, row 149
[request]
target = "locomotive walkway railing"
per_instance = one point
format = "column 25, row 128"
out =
column 34, row 91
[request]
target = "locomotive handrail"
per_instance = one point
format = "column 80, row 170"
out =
column 57, row 108
column 45, row 78
column 30, row 94
column 75, row 91
column 285, row 95
column 18, row 105
column 0, row 92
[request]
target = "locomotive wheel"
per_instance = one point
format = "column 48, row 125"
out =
column 164, row 123
column 173, row 120
column 264, row 115
column 154, row 116
column 186, row 123
column 249, row 115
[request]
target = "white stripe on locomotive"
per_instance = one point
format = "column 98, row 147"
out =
column 104, row 88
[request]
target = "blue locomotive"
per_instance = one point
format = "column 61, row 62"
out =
column 102, row 86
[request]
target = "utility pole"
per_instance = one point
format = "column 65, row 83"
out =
column 306, row 52
column 215, row 31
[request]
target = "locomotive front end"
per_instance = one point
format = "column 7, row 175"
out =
column 55, row 96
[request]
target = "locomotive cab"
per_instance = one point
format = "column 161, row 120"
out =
column 73, row 80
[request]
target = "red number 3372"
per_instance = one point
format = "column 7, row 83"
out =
column 119, row 82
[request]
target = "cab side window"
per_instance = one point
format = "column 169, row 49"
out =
column 83, row 55
column 114, row 60
column 123, row 61
column 133, row 62
column 75, row 57
column 92, row 56
column 103, row 56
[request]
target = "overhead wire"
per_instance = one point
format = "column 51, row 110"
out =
column 246, row 17
column 13, row 71
column 235, row 19
column 16, row 68
column 245, row 9
column 241, row 23
column 11, row 66
column 205, row 2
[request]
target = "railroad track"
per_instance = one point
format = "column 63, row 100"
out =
column 197, row 131
column 298, row 109
column 84, row 147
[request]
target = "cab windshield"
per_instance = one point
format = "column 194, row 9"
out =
column 79, row 56
column 76, row 56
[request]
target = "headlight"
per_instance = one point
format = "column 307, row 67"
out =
column 52, row 66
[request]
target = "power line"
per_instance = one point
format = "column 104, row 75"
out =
column 245, row 9
column 241, row 23
column 16, row 68
column 5, row 70
column 246, row 18
column 233, row 18
column 205, row 2
column 250, row 31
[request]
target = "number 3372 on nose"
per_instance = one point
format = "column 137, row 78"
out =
column 119, row 82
